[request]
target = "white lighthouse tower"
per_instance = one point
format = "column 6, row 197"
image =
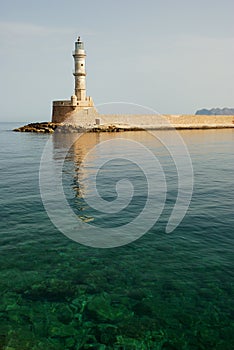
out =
column 79, row 101
column 80, row 97
column 79, row 73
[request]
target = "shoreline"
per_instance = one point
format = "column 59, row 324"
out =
column 50, row 128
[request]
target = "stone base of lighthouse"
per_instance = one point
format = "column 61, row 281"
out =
column 62, row 110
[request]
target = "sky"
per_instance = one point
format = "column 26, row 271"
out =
column 173, row 56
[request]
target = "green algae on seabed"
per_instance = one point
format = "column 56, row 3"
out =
column 78, row 315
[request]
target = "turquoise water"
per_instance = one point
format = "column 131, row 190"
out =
column 162, row 291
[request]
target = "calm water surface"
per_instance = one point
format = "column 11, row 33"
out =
column 163, row 291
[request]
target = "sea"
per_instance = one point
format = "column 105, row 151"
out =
column 87, row 259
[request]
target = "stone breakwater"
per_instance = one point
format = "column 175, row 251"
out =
column 71, row 128
column 157, row 121
column 89, row 122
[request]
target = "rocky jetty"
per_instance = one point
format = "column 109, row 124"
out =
column 114, row 128
column 44, row 127
column 121, row 123
column 48, row 127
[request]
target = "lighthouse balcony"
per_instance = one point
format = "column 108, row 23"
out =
column 79, row 73
column 78, row 53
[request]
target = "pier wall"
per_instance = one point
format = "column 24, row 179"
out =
column 163, row 121
column 91, row 117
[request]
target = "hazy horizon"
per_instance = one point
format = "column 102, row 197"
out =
column 173, row 57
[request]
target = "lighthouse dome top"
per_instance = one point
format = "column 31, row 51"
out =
column 79, row 45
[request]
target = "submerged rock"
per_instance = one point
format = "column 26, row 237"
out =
column 101, row 309
column 52, row 290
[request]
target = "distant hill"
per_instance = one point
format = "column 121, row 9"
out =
column 215, row 111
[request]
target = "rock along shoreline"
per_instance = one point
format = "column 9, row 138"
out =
column 49, row 128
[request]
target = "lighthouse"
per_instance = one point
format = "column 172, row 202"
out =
column 79, row 100
column 79, row 72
